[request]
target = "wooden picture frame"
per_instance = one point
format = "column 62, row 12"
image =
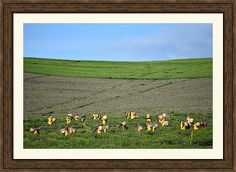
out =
column 8, row 8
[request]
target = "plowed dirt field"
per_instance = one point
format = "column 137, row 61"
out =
column 59, row 95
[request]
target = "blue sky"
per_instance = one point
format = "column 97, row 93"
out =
column 119, row 42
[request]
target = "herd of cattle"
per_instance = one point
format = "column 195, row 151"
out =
column 162, row 121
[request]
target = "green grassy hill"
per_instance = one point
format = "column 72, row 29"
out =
column 171, row 69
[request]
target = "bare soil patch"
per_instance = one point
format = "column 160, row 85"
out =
column 45, row 94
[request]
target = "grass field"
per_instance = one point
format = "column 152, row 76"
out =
column 164, row 137
column 58, row 89
column 172, row 69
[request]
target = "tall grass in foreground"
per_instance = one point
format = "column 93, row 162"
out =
column 164, row 137
column 171, row 69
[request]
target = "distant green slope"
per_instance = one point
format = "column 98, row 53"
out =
column 171, row 69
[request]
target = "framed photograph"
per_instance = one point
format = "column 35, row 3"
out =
column 117, row 85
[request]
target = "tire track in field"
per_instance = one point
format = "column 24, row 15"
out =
column 104, row 100
column 135, row 93
column 35, row 77
column 77, row 99
column 121, row 96
column 159, row 86
column 94, row 102
column 101, row 92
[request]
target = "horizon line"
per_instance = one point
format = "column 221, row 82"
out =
column 119, row 60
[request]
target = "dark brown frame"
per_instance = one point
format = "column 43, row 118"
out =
column 8, row 7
